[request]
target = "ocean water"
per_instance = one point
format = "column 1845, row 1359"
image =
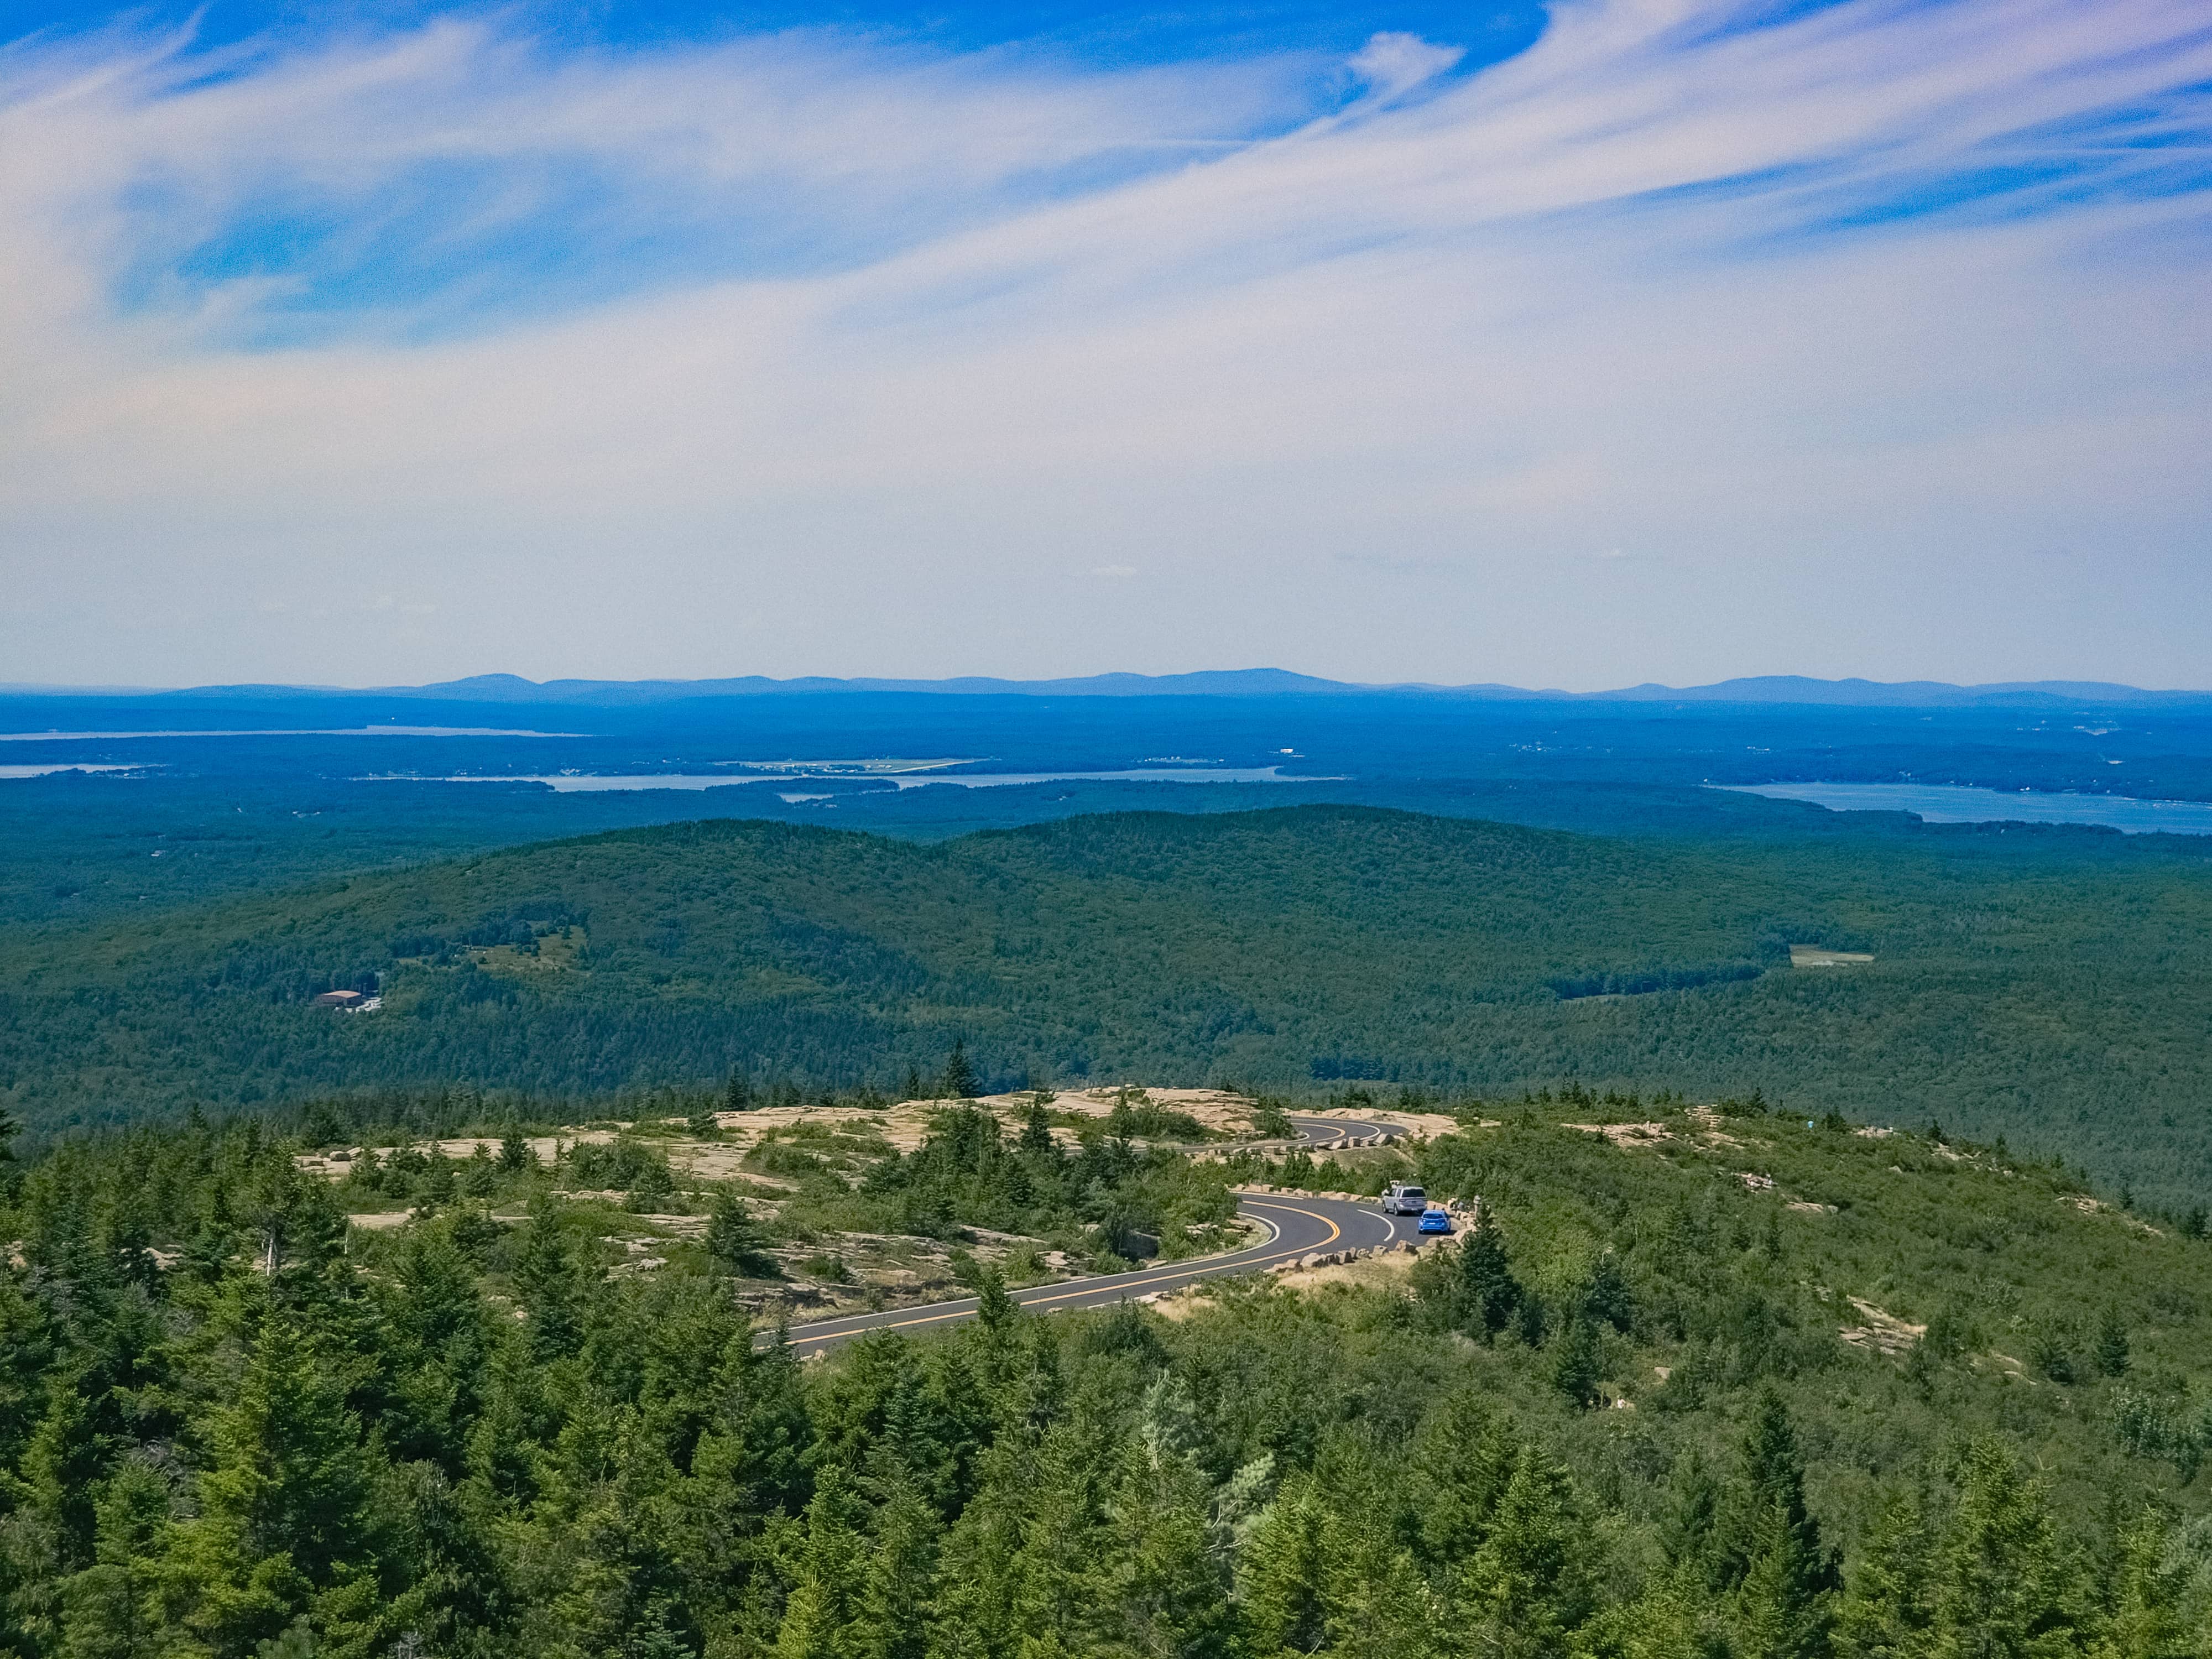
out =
column 1944, row 803
column 583, row 783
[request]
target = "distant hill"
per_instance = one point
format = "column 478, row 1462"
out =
column 1773, row 688
column 2020, row 986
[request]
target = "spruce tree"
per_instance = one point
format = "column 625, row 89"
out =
column 1575, row 1362
column 1487, row 1296
column 1531, row 1586
column 898, row 1594
column 516, row 1155
column 737, row 1093
column 1886, row 1613
column 959, row 1081
column 736, row 1241
column 820, row 1621
column 1286, row 1574
column 1464, row 1457
column 1770, row 1549
column 2003, row 1591
column 1036, row 1130
column 2112, row 1350
column 549, row 1283
column 2148, row 1616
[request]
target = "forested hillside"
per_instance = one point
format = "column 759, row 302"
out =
column 1733, row 1386
column 2052, row 987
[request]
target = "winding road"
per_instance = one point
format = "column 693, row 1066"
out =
column 1297, row 1225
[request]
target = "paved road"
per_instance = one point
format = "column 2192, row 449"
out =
column 1297, row 1225
column 1319, row 1131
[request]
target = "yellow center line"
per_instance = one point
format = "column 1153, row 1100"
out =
column 1160, row 1276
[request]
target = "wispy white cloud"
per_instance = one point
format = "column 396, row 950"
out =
column 1877, row 333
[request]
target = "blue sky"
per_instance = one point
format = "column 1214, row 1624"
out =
column 1639, row 339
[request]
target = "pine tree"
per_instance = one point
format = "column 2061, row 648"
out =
column 2148, row 1618
column 1286, row 1574
column 821, row 1619
column 1771, row 1548
column 1886, row 1613
column 2003, row 1591
column 959, row 1081
column 897, row 1603
column 736, row 1241
column 1575, row 1363
column 1530, row 1586
column 1488, row 1296
column 2112, row 1352
column 737, row 1093
column 1465, row 1455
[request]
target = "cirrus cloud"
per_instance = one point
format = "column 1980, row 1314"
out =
column 1877, row 330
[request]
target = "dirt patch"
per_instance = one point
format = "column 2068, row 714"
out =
column 1813, row 956
column 1387, row 1271
column 1884, row 1333
column 1709, row 1121
column 1627, row 1135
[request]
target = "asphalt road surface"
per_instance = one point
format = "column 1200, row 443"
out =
column 1297, row 1225
column 1320, row 1131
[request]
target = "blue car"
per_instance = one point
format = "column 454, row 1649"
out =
column 1434, row 1219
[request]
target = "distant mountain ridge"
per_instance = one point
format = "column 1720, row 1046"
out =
column 1767, row 688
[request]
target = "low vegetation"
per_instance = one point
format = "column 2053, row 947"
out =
column 1696, row 1383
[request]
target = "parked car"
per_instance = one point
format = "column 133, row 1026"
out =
column 1435, row 1219
column 1402, row 1200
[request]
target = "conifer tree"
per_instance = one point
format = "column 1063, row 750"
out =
column 1607, row 1297
column 1037, row 1129
column 736, row 1241
column 1487, row 1296
column 1530, row 1586
column 1286, row 1574
column 2003, row 1591
column 1575, row 1363
column 1769, row 1546
column 898, row 1595
column 2112, row 1352
column 2148, row 1617
column 282, row 1504
column 109, row 1610
column 1465, row 1455
column 821, row 1619
column 1167, row 1594
column 1886, row 1613
column 550, row 1287
column 516, row 1155
column 959, row 1081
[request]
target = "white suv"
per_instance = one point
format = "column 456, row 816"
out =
column 1401, row 1199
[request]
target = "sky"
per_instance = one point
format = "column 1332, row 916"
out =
column 1580, row 346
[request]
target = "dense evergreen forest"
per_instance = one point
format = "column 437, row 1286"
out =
column 1723, row 1384
column 2051, row 987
